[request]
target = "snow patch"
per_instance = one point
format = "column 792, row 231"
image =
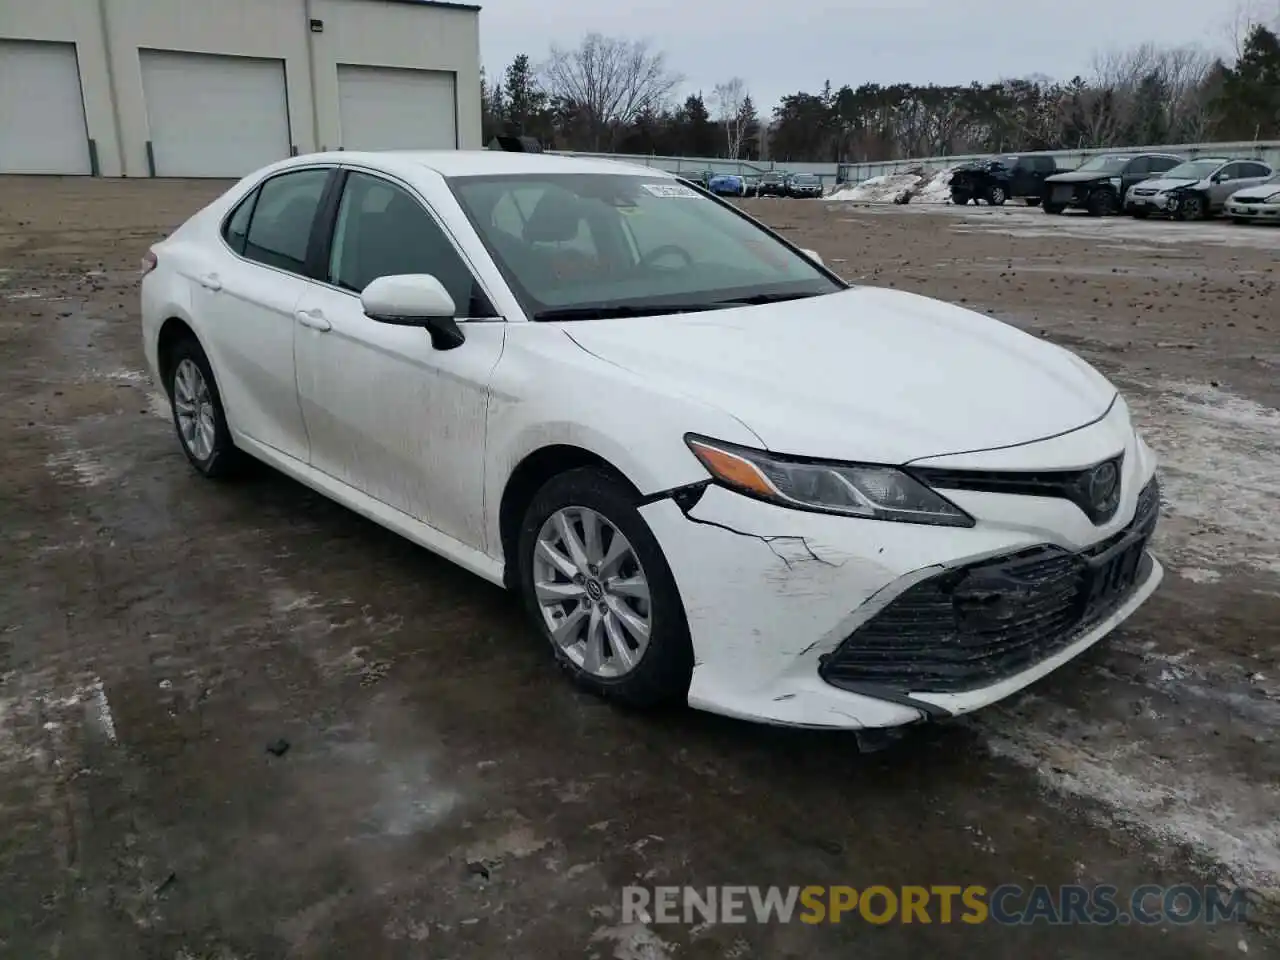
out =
column 634, row 941
column 1199, row 575
column 917, row 184
column 1220, row 475
column 79, row 466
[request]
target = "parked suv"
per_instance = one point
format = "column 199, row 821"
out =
column 1000, row 178
column 1101, row 183
column 804, row 185
column 1195, row 190
column 773, row 184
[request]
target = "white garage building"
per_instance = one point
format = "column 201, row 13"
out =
column 217, row 88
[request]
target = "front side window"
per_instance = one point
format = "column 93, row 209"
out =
column 1194, row 170
column 1232, row 171
column 383, row 231
column 1161, row 164
column 280, row 225
column 617, row 243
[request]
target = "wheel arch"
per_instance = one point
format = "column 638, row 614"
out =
column 173, row 330
column 524, row 482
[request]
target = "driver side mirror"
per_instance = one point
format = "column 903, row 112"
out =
column 1218, row 178
column 414, row 300
column 814, row 256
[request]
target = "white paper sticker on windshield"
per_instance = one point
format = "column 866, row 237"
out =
column 670, row 190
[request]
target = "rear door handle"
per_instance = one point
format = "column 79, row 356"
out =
column 313, row 319
column 210, row 281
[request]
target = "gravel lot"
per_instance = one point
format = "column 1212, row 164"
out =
column 446, row 794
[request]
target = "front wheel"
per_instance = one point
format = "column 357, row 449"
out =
column 1193, row 207
column 1053, row 207
column 996, row 196
column 959, row 197
column 1139, row 214
column 598, row 587
column 1102, row 203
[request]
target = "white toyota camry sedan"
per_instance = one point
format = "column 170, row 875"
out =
column 713, row 469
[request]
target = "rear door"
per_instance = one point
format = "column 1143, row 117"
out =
column 245, row 298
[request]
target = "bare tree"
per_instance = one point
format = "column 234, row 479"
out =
column 608, row 82
column 729, row 100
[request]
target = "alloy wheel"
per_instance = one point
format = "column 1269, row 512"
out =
column 193, row 405
column 592, row 592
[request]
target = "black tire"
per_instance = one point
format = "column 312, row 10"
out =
column 1140, row 214
column 1101, row 203
column 1193, row 206
column 1033, row 201
column 959, row 197
column 997, row 195
column 662, row 675
column 223, row 459
column 1240, row 221
column 1054, row 207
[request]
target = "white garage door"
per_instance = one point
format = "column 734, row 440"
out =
column 41, row 109
column 214, row 116
column 387, row 109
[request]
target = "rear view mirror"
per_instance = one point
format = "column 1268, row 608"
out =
column 414, row 300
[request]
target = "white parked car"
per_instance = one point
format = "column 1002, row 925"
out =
column 1256, row 204
column 713, row 469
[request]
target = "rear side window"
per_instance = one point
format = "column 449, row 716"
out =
column 236, row 229
column 1139, row 167
column 1255, row 170
column 280, row 224
column 1161, row 164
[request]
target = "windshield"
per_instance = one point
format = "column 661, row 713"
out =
column 805, row 178
column 1104, row 164
column 1194, row 170
column 575, row 246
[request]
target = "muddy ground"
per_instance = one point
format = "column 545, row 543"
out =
column 445, row 794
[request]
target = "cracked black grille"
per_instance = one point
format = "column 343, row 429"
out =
column 969, row 628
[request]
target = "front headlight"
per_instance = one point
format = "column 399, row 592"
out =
column 871, row 491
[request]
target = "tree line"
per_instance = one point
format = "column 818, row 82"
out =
column 619, row 96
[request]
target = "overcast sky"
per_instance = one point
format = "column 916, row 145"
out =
column 781, row 47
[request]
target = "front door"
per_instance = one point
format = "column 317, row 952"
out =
column 385, row 411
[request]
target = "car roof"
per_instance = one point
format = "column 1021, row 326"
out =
column 462, row 163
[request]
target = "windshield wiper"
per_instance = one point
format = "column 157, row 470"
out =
column 607, row 312
column 760, row 298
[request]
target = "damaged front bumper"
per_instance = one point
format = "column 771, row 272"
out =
column 787, row 609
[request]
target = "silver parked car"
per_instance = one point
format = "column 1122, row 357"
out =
column 1195, row 190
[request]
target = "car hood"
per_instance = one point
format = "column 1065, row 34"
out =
column 1166, row 183
column 1258, row 193
column 865, row 374
column 1076, row 176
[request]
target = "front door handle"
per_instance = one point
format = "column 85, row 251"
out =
column 210, row 281
column 313, row 319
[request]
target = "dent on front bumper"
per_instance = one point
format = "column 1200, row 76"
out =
column 771, row 594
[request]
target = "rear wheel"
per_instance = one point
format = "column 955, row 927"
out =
column 197, row 412
column 996, row 195
column 1053, row 207
column 598, row 587
column 1033, row 201
column 960, row 197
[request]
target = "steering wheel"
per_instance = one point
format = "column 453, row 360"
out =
column 657, row 253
